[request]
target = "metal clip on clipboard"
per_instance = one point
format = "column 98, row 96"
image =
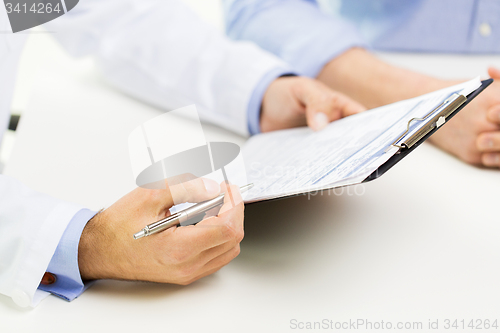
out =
column 406, row 145
column 451, row 104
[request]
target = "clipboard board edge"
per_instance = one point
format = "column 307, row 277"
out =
column 394, row 159
column 398, row 157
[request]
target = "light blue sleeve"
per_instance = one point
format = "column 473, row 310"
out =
column 295, row 30
column 254, row 106
column 64, row 263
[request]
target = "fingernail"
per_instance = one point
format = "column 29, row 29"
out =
column 321, row 121
column 492, row 159
column 211, row 186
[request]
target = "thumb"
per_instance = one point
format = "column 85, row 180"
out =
column 194, row 190
column 324, row 105
column 232, row 197
column 494, row 73
column 351, row 107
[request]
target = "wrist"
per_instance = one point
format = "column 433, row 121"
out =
column 97, row 252
column 372, row 82
column 256, row 103
column 280, row 107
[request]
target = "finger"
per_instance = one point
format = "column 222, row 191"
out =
column 195, row 190
column 179, row 179
column 320, row 113
column 217, row 263
column 224, row 259
column 218, row 250
column 320, row 104
column 324, row 105
column 488, row 142
column 493, row 114
column 212, row 212
column 232, row 197
column 231, row 214
column 214, row 231
column 162, row 196
column 494, row 72
column 491, row 159
column 210, row 254
column 351, row 107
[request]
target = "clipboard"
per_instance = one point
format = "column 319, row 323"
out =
column 407, row 144
column 409, row 141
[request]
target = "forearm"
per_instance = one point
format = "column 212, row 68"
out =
column 372, row 82
column 98, row 255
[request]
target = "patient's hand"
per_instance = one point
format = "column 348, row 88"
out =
column 297, row 101
column 179, row 255
column 474, row 133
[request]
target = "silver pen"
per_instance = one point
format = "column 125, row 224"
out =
column 184, row 215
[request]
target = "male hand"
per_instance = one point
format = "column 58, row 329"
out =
column 474, row 133
column 179, row 255
column 297, row 101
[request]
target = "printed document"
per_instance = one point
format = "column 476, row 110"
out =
column 346, row 152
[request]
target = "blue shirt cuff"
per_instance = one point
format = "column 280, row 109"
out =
column 64, row 263
column 255, row 103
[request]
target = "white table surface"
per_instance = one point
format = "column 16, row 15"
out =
column 421, row 243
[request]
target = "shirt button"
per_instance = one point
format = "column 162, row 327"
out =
column 21, row 298
column 485, row 29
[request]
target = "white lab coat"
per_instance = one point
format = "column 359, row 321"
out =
column 156, row 50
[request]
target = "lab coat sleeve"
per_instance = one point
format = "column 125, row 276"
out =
column 31, row 225
column 161, row 52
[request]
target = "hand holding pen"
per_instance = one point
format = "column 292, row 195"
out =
column 182, row 216
column 176, row 255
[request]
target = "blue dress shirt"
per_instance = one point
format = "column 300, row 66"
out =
column 446, row 26
column 308, row 35
column 292, row 29
column 64, row 263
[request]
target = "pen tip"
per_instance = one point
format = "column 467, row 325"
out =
column 138, row 235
